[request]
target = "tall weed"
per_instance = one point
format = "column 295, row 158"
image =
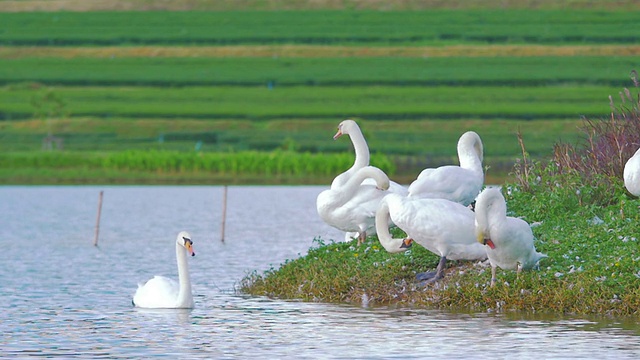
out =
column 596, row 160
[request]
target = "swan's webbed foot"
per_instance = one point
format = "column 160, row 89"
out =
column 427, row 275
column 430, row 277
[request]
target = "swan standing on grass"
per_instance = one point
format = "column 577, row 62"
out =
column 352, row 206
column 456, row 183
column 632, row 174
column 162, row 292
column 508, row 241
column 351, row 128
column 443, row 227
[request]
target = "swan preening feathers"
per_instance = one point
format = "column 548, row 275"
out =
column 508, row 240
column 352, row 206
column 444, row 227
column 456, row 183
column 162, row 292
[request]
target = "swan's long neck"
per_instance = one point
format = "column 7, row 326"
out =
column 470, row 153
column 345, row 193
column 382, row 229
column 361, row 148
column 490, row 211
column 381, row 179
column 184, row 295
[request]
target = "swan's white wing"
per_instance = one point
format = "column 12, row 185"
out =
column 361, row 209
column 448, row 182
column 355, row 214
column 158, row 292
column 514, row 244
column 441, row 226
column 631, row 174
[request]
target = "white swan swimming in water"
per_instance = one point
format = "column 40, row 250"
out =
column 456, row 183
column 444, row 227
column 631, row 174
column 351, row 128
column 508, row 241
column 162, row 292
column 352, row 206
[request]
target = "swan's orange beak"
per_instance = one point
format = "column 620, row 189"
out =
column 489, row 243
column 189, row 246
column 338, row 134
column 406, row 243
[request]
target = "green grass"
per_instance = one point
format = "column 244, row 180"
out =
column 319, row 27
column 458, row 71
column 268, row 166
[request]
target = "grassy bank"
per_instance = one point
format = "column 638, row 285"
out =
column 593, row 265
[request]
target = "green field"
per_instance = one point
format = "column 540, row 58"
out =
column 205, row 82
column 347, row 72
column 320, row 27
column 299, row 102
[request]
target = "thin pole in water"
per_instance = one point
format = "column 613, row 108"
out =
column 224, row 212
column 95, row 240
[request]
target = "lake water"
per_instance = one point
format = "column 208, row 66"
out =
column 62, row 297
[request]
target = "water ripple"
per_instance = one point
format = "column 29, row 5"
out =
column 63, row 297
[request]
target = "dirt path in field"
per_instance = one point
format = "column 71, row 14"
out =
column 219, row 5
column 302, row 51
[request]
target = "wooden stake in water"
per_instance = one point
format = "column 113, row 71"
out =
column 224, row 212
column 95, row 240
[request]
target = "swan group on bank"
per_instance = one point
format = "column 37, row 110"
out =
column 433, row 211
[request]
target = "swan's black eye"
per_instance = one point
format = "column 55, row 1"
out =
column 186, row 239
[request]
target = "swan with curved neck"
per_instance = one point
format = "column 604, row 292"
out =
column 351, row 128
column 456, row 183
column 443, row 227
column 631, row 174
column 508, row 241
column 352, row 206
column 162, row 292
